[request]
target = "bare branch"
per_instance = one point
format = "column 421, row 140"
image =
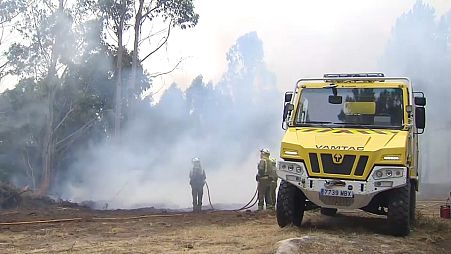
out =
column 146, row 15
column 2, row 75
column 30, row 171
column 162, row 44
column 111, row 36
column 71, row 109
column 49, row 5
column 1, row 37
column 85, row 126
column 10, row 18
column 4, row 65
column 151, row 35
column 154, row 75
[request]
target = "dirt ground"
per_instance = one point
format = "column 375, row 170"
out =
column 155, row 231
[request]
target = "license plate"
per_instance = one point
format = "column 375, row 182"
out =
column 337, row 193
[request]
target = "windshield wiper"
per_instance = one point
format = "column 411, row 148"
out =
column 365, row 126
column 361, row 125
column 321, row 123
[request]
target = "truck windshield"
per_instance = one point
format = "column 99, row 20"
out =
column 357, row 107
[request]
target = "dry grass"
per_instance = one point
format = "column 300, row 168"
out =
column 226, row 232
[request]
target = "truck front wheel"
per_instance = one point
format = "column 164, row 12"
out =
column 399, row 210
column 290, row 205
column 413, row 203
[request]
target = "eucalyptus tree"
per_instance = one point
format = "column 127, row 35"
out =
column 119, row 16
column 54, row 61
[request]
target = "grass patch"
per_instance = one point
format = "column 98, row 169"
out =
column 432, row 224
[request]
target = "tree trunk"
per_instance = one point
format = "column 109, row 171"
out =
column 48, row 148
column 135, row 60
column 118, row 103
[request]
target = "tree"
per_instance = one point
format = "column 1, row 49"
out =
column 174, row 13
column 74, row 97
column 117, row 16
column 9, row 10
column 419, row 49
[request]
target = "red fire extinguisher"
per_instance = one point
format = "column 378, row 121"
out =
column 445, row 209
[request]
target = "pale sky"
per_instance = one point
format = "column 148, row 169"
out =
column 300, row 37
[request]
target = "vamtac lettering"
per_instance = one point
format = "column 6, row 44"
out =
column 346, row 148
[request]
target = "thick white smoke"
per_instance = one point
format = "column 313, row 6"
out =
column 223, row 124
column 420, row 48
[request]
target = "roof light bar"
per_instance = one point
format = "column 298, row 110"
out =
column 355, row 75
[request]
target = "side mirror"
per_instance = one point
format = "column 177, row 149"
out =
column 335, row 99
column 420, row 117
column 288, row 96
column 420, row 101
column 286, row 110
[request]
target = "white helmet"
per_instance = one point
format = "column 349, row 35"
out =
column 264, row 151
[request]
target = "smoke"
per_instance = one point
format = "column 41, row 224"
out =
column 224, row 124
column 420, row 48
column 227, row 122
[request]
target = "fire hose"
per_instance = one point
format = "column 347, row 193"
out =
column 87, row 219
column 249, row 204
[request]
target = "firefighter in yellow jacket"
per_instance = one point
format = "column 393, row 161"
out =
column 273, row 183
column 264, row 181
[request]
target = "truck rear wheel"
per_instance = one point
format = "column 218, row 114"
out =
column 328, row 211
column 290, row 205
column 400, row 210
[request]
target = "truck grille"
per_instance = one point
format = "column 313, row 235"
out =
column 336, row 201
column 337, row 164
column 343, row 168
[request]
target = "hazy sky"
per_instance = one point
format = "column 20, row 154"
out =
column 300, row 38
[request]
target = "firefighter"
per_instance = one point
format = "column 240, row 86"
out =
column 263, row 179
column 273, row 184
column 197, row 180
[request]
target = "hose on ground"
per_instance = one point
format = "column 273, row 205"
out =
column 209, row 199
column 249, row 204
column 87, row 219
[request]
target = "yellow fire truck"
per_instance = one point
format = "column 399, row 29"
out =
column 351, row 142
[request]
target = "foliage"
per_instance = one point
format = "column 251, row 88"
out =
column 67, row 66
column 10, row 9
column 419, row 48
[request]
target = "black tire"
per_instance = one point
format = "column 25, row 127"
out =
column 328, row 211
column 399, row 210
column 413, row 203
column 290, row 205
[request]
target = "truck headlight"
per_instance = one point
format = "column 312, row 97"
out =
column 388, row 172
column 293, row 168
column 379, row 174
column 298, row 169
column 383, row 173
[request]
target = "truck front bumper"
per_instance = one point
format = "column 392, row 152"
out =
column 342, row 193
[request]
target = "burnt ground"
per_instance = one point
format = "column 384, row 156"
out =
column 158, row 231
